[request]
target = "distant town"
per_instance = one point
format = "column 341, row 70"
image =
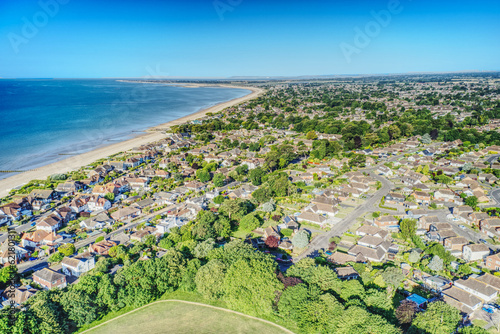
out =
column 321, row 205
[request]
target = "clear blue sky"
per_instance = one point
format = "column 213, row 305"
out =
column 130, row 38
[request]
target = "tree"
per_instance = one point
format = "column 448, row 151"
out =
column 231, row 206
column 471, row 201
column 301, row 239
column 255, row 176
column 436, row 264
column 56, row 257
column 210, row 278
column 272, row 241
column 268, row 206
column 67, row 249
column 393, row 276
column 414, row 257
column 203, row 248
column 439, row 318
column 250, row 286
column 110, row 197
column 311, row 135
column 219, row 199
column 219, row 179
column 408, row 228
column 406, row 311
column 249, row 222
column 467, row 167
column 203, row 175
column 426, row 139
column 6, row 273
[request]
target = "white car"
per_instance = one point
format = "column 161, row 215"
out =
column 462, row 227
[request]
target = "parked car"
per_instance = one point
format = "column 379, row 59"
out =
column 483, row 241
column 33, row 224
column 462, row 227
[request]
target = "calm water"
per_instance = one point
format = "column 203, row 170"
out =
column 44, row 120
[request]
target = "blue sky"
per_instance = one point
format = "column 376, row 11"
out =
column 222, row 38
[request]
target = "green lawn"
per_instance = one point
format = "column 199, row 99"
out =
column 181, row 317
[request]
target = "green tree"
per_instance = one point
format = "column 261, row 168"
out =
column 301, row 239
column 210, row 278
column 408, row 228
column 436, row 264
column 56, row 257
column 67, row 249
column 7, row 273
column 250, row 286
column 471, row 201
column 110, row 197
column 203, row 175
column 203, row 248
column 255, row 176
column 249, row 222
column 439, row 318
column 311, row 135
column 219, row 179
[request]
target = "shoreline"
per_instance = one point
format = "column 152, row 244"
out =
column 151, row 135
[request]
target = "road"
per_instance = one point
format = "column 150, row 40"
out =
column 322, row 241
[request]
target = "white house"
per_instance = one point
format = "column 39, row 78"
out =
column 474, row 252
column 75, row 266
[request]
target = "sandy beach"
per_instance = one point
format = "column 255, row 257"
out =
column 152, row 134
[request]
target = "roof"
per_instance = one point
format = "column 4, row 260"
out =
column 48, row 275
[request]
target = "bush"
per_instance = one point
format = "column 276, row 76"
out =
column 287, row 232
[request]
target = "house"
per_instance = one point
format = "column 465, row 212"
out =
column 96, row 203
column 311, row 217
column 40, row 237
column 97, row 222
column 436, row 283
column 474, row 252
column 372, row 230
column 102, row 247
column 492, row 262
column 368, row 254
column 455, row 243
column 69, row 187
column 49, row 279
column 7, row 254
column 384, row 170
column 477, row 288
column 272, row 231
column 22, row 294
column 388, row 222
column 125, row 213
column 444, row 195
column 139, row 236
column 461, row 299
column 50, row 224
column 75, row 266
column 343, row 258
column 422, row 197
column 346, row 273
column 394, row 198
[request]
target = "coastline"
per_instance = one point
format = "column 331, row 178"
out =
column 151, row 134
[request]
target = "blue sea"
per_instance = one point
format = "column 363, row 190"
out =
column 46, row 120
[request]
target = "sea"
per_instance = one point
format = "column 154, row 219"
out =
column 47, row 120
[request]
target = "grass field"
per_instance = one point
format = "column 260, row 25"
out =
column 184, row 318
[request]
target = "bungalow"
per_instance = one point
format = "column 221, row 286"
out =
column 312, row 217
column 373, row 231
column 367, row 253
column 97, row 222
column 461, row 299
column 125, row 213
column 347, row 273
column 387, row 222
column 75, row 266
column 343, row 258
column 140, row 236
column 195, row 186
column 477, row 288
column 69, row 187
column 49, row 279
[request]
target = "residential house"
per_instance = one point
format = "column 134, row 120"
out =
column 77, row 265
column 346, row 273
column 49, row 279
column 387, row 222
column 475, row 252
column 125, row 213
column 102, row 247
